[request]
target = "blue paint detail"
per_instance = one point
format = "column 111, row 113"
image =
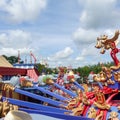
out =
column 89, row 109
column 35, row 105
column 100, row 85
column 24, row 65
column 29, row 88
column 65, row 90
column 78, row 85
column 113, row 108
column 57, row 115
column 50, row 93
column 41, row 98
column 116, row 85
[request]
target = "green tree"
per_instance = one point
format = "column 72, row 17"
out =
column 11, row 59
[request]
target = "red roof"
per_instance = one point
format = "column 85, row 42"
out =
column 12, row 71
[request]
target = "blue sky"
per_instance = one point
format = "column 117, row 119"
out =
column 59, row 32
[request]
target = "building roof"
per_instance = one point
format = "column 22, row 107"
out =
column 4, row 62
column 12, row 71
column 7, row 69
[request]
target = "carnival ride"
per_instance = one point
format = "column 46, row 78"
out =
column 57, row 99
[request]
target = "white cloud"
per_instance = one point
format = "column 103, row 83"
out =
column 18, row 11
column 79, row 58
column 13, row 40
column 13, row 52
column 99, row 14
column 3, row 39
column 67, row 52
column 90, row 50
column 84, row 37
column 65, row 62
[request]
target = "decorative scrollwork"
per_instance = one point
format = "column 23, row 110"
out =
column 6, row 86
column 5, row 107
column 49, row 81
column 104, row 43
column 101, row 77
column 85, row 100
column 117, row 76
column 113, row 116
column 26, row 83
column 92, row 113
column 110, row 82
column 100, row 101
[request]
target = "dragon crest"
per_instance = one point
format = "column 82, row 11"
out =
column 105, row 43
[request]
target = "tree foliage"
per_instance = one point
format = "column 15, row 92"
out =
column 11, row 59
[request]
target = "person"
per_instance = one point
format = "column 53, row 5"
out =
column 17, row 115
